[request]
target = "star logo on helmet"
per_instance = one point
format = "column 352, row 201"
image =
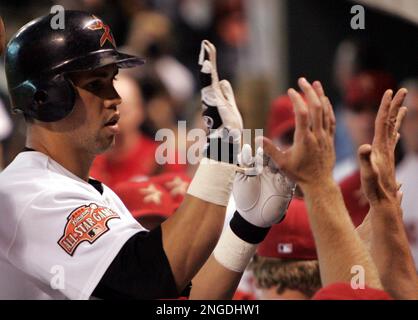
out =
column 98, row 24
column 152, row 194
column 177, row 186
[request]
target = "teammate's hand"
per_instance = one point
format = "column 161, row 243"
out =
column 311, row 158
column 262, row 194
column 2, row 36
column 220, row 111
column 377, row 161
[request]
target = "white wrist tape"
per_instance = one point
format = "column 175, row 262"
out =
column 212, row 181
column 232, row 252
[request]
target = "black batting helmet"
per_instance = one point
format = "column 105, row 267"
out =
column 39, row 57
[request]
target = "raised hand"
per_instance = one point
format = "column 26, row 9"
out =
column 311, row 158
column 387, row 236
column 377, row 161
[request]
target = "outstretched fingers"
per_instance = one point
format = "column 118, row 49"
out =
column 328, row 121
column 382, row 118
column 331, row 115
column 400, row 117
column 318, row 89
column 320, row 109
column 389, row 118
column 396, row 104
column 301, row 113
column 211, row 53
column 315, row 107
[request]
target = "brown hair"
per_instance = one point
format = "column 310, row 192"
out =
column 301, row 275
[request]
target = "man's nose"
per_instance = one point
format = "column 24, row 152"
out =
column 113, row 99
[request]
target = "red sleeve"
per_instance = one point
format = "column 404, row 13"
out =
column 344, row 291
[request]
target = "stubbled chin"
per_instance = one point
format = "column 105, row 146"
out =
column 106, row 146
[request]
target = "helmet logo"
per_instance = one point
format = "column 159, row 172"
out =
column 98, row 25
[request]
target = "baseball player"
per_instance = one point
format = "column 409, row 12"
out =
column 64, row 234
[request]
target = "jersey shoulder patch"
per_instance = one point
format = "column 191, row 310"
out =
column 85, row 223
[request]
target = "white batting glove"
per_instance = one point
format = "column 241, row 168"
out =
column 220, row 111
column 262, row 195
column 214, row 177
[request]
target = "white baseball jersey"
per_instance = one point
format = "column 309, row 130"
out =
column 58, row 234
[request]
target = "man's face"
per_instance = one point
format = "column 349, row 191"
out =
column 92, row 125
column 360, row 125
column 409, row 130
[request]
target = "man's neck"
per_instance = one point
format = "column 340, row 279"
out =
column 76, row 161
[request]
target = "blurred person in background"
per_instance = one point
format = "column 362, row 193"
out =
column 175, row 184
column 222, row 21
column 407, row 170
column 160, row 115
column 6, row 125
column 281, row 122
column 362, row 99
column 149, row 203
column 5, row 130
column 5, row 121
column 345, row 67
column 361, row 96
column 231, row 33
column 286, row 265
column 352, row 56
column 151, row 36
column 158, row 105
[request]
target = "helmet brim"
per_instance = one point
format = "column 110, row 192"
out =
column 98, row 59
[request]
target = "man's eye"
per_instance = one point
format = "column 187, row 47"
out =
column 94, row 85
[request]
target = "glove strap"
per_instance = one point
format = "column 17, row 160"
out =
column 247, row 231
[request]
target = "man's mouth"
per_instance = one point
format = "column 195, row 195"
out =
column 112, row 123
